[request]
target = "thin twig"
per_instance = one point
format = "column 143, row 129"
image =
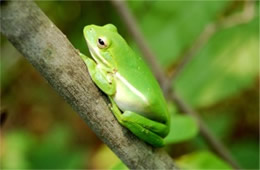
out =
column 211, row 139
column 132, row 27
column 188, row 55
column 50, row 52
column 243, row 17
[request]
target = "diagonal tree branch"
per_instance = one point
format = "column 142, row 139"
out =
column 49, row 51
column 210, row 138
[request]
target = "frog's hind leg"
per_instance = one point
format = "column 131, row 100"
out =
column 148, row 130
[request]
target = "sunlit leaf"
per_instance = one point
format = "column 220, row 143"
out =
column 104, row 158
column 16, row 145
column 202, row 160
column 225, row 66
column 119, row 166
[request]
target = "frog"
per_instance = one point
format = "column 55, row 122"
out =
column 135, row 96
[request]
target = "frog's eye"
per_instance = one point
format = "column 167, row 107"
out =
column 102, row 42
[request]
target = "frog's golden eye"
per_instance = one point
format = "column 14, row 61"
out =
column 102, row 42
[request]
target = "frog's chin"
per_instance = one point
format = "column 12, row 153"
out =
column 94, row 51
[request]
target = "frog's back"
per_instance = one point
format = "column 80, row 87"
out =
column 135, row 79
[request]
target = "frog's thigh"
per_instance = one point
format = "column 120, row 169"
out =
column 101, row 79
column 144, row 130
column 135, row 125
column 149, row 124
column 156, row 127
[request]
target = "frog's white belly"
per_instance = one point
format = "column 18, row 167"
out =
column 129, row 98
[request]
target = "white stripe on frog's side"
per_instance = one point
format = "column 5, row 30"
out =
column 97, row 56
column 132, row 88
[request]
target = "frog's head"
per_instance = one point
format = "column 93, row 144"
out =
column 100, row 40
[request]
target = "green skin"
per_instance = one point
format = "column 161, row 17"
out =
column 129, row 84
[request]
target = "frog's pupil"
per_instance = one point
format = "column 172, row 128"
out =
column 101, row 42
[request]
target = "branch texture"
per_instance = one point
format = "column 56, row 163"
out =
column 49, row 51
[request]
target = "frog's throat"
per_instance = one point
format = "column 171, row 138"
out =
column 97, row 56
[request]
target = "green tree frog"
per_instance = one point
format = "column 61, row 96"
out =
column 136, row 98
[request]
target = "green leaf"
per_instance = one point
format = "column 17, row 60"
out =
column 23, row 150
column 16, row 145
column 202, row 160
column 246, row 152
column 227, row 64
column 182, row 128
column 169, row 29
column 56, row 151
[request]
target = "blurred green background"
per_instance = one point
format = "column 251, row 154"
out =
column 40, row 130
